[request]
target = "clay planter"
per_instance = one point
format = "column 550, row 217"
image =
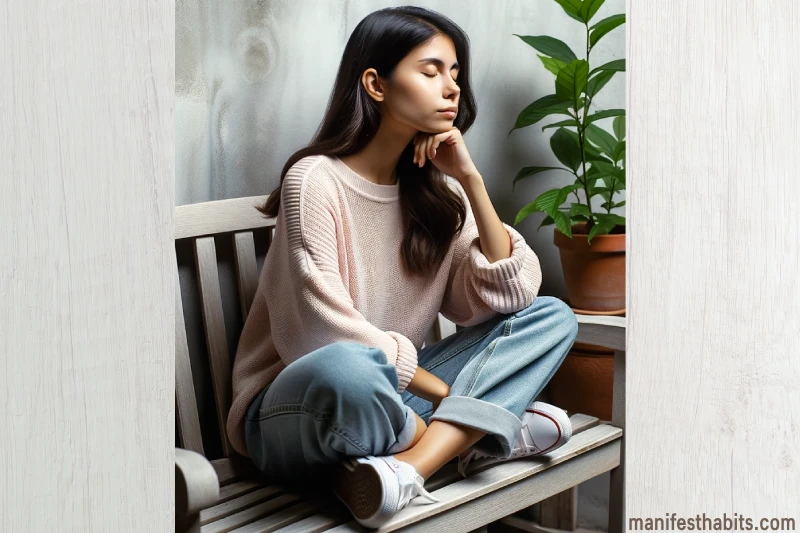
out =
column 594, row 274
column 584, row 383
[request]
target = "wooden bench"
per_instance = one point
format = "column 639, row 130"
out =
column 225, row 492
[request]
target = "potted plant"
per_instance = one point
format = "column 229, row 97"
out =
column 591, row 242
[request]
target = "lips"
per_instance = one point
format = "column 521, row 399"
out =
column 453, row 109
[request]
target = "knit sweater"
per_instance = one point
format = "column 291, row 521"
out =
column 333, row 273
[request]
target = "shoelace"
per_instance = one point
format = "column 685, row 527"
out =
column 409, row 488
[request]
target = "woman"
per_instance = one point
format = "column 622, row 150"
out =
column 383, row 221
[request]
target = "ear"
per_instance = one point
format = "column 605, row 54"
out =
column 373, row 84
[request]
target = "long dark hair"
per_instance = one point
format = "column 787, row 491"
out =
column 433, row 213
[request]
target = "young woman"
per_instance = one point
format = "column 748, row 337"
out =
column 383, row 221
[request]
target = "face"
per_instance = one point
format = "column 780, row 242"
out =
column 423, row 84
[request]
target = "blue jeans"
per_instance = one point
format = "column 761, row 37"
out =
column 341, row 400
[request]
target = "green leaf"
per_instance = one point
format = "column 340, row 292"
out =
column 546, row 222
column 602, row 139
column 545, row 106
column 568, row 122
column 619, row 127
column 563, row 223
column 589, row 9
column 566, row 148
column 597, row 229
column 592, row 153
column 611, row 219
column 580, row 209
column 605, row 26
column 525, row 212
column 618, row 65
column 571, row 80
column 572, row 8
column 605, row 114
column 546, row 201
column 550, row 46
column 619, row 204
column 598, row 82
column 527, row 172
column 552, row 64
column 619, row 149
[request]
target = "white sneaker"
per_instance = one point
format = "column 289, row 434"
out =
column 545, row 428
column 375, row 488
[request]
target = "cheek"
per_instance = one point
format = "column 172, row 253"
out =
column 415, row 104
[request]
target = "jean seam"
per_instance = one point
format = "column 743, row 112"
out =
column 296, row 408
column 460, row 348
column 488, row 355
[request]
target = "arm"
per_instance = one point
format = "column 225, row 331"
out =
column 312, row 306
column 479, row 288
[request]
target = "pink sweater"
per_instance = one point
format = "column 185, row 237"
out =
column 333, row 273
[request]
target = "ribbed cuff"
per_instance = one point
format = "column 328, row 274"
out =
column 501, row 270
column 406, row 363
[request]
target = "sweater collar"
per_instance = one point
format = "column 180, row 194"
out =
column 363, row 185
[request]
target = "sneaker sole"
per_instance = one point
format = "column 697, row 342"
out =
column 362, row 492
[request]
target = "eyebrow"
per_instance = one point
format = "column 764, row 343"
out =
column 438, row 62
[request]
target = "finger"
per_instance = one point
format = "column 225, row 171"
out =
column 416, row 151
column 421, row 161
column 429, row 148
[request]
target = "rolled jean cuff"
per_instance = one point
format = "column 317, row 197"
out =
column 406, row 436
column 493, row 419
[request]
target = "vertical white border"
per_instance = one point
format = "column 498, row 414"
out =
column 87, row 331
column 713, row 370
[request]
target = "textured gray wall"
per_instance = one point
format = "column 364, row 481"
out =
column 253, row 79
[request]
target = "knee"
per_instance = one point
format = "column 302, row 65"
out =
column 344, row 369
column 558, row 311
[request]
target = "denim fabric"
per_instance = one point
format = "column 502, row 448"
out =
column 341, row 400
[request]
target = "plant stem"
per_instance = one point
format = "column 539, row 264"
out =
column 581, row 136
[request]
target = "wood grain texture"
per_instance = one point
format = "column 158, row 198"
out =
column 713, row 373
column 87, row 332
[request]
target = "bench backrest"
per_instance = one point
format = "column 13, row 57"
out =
column 207, row 228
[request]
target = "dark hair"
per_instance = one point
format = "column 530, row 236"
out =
column 433, row 213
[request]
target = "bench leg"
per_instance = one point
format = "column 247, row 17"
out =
column 616, row 502
column 560, row 511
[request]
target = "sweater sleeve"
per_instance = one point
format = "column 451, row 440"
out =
column 478, row 290
column 312, row 306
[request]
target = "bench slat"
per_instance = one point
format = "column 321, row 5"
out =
column 283, row 518
column 322, row 521
column 509, row 486
column 239, row 503
column 600, row 330
column 216, row 339
column 251, row 514
column 185, row 399
column 246, row 269
column 220, row 216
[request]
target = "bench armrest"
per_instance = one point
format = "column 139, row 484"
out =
column 196, row 488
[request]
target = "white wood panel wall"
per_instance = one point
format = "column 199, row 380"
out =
column 86, row 153
column 713, row 370
column 86, row 328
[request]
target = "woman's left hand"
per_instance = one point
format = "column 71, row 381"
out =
column 446, row 151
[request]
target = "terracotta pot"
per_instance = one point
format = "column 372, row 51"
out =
column 594, row 274
column 584, row 383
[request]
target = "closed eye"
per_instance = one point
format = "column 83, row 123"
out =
column 434, row 75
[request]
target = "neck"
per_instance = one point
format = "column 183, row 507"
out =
column 377, row 161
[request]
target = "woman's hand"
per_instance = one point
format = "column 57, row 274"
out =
column 446, row 151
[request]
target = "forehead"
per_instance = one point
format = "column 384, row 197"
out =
column 440, row 47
